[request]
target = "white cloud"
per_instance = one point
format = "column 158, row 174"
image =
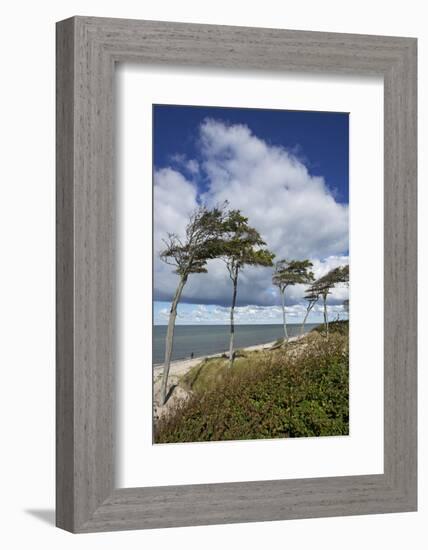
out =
column 189, row 314
column 174, row 199
column 295, row 213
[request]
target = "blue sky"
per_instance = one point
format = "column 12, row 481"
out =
column 286, row 170
column 319, row 139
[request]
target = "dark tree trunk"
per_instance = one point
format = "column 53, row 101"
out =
column 169, row 340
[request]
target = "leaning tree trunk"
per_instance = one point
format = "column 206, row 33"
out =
column 325, row 314
column 169, row 340
column 308, row 310
column 284, row 315
column 232, row 321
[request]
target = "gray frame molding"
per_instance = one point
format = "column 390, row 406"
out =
column 87, row 50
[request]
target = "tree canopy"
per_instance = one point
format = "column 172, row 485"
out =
column 327, row 282
column 200, row 243
column 292, row 272
column 242, row 244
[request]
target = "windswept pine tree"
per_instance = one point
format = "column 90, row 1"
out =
column 242, row 245
column 190, row 255
column 312, row 298
column 288, row 273
column 324, row 285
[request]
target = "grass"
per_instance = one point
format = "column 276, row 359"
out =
column 213, row 372
column 297, row 391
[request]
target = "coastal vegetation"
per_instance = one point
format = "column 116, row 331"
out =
column 210, row 233
column 224, row 233
column 300, row 390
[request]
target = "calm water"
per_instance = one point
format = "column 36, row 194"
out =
column 211, row 339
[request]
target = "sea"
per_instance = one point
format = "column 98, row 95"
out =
column 204, row 340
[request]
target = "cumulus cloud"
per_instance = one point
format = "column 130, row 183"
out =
column 295, row 212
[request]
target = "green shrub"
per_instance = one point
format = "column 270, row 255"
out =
column 272, row 394
column 340, row 327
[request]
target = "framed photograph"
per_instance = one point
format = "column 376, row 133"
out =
column 263, row 254
column 236, row 274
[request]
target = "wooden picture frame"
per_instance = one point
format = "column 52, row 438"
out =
column 87, row 50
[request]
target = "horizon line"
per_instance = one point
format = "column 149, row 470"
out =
column 236, row 324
